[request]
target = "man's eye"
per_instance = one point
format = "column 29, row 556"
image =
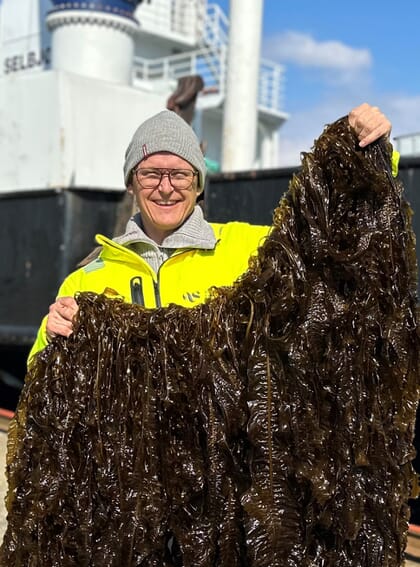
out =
column 151, row 174
column 179, row 174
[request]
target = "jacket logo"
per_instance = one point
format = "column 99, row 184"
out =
column 191, row 296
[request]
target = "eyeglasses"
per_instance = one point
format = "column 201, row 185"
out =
column 180, row 179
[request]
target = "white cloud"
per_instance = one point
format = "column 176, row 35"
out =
column 303, row 50
column 300, row 132
column 344, row 80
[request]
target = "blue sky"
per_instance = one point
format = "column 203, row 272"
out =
column 338, row 55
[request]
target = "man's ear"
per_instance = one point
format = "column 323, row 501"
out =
column 199, row 190
column 130, row 189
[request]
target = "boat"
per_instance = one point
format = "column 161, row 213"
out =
column 77, row 75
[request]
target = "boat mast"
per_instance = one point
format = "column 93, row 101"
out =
column 240, row 113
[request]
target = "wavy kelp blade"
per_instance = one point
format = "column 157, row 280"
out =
column 271, row 426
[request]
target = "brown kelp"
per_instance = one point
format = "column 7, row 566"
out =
column 271, row 426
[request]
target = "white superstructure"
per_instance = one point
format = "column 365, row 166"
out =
column 408, row 145
column 76, row 79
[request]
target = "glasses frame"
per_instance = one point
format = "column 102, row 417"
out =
column 162, row 172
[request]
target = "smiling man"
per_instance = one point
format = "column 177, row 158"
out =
column 169, row 252
column 165, row 171
column 165, row 189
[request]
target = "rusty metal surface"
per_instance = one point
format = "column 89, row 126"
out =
column 3, row 439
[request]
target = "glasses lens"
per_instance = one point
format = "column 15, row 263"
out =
column 178, row 178
column 181, row 178
column 148, row 178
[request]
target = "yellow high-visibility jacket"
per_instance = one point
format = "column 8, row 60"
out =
column 185, row 278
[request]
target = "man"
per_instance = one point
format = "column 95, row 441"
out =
column 169, row 252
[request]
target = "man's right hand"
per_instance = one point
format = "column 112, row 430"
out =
column 60, row 317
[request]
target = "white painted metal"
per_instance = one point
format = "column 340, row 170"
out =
column 93, row 44
column 75, row 136
column 180, row 20
column 211, row 66
column 267, row 145
column 408, row 144
column 24, row 38
column 241, row 104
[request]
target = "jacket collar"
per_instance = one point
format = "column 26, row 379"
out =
column 195, row 232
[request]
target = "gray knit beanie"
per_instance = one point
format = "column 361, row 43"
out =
column 165, row 132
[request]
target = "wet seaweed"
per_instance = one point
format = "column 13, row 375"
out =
column 271, row 426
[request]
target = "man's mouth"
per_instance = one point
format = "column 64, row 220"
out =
column 166, row 203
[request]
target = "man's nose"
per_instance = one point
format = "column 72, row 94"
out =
column 165, row 184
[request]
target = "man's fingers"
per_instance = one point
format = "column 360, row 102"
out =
column 366, row 138
column 66, row 307
column 369, row 123
column 57, row 325
column 60, row 317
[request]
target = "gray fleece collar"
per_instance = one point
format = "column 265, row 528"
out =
column 195, row 232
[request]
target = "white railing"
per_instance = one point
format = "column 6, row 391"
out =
column 271, row 86
column 216, row 27
column 202, row 62
column 209, row 61
column 179, row 19
column 215, row 39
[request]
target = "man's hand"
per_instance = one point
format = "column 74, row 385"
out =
column 369, row 123
column 60, row 317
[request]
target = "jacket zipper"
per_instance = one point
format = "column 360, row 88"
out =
column 136, row 285
column 157, row 293
column 137, row 296
column 136, row 288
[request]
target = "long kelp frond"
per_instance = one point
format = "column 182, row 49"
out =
column 271, row 426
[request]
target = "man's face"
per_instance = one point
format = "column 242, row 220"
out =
column 163, row 209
